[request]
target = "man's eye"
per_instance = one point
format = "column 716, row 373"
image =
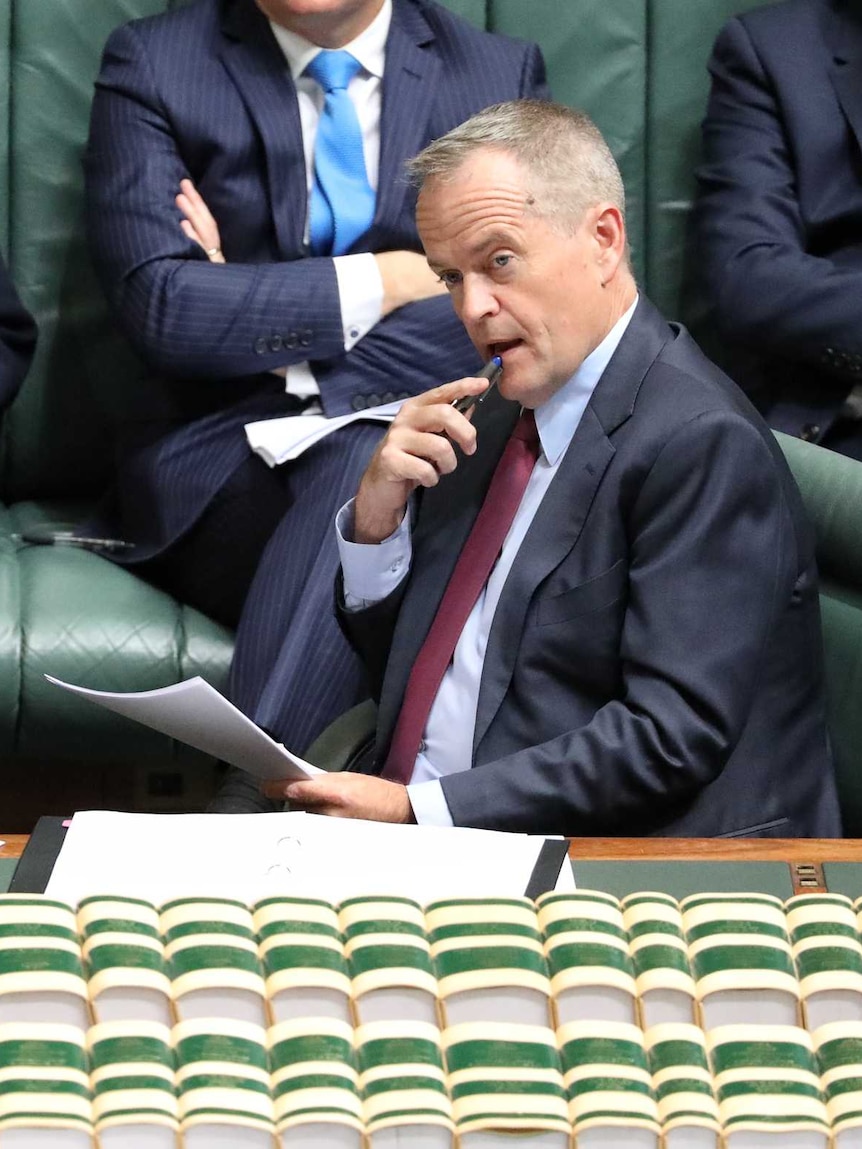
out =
column 449, row 279
column 502, row 260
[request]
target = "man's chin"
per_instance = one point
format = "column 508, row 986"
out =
column 518, row 378
column 515, row 388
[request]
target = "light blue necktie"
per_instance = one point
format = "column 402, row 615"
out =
column 342, row 200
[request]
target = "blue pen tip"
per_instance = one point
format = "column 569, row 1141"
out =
column 498, row 360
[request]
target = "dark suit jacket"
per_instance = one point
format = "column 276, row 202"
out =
column 204, row 91
column 17, row 339
column 654, row 664
column 778, row 223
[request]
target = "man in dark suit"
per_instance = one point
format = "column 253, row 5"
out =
column 218, row 92
column 17, row 339
column 644, row 656
column 778, row 221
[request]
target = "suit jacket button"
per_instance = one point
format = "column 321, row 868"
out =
column 305, row 337
column 260, row 346
column 358, row 403
column 292, row 340
column 403, row 395
column 388, row 397
column 374, row 399
column 276, row 343
column 810, row 432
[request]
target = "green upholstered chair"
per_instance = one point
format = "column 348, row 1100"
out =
column 831, row 487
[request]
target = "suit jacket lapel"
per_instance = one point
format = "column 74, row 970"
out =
column 258, row 68
column 563, row 512
column 552, row 535
column 841, row 23
column 408, row 86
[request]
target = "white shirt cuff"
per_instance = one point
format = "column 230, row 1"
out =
column 430, row 807
column 360, row 290
column 371, row 570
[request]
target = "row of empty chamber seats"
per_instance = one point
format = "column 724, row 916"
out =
column 578, row 1019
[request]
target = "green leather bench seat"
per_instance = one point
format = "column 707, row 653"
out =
column 83, row 619
column 831, row 488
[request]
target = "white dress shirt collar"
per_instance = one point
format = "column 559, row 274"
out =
column 556, row 418
column 369, row 47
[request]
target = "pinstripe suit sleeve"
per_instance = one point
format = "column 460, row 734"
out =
column 187, row 317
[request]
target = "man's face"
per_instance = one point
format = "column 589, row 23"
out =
column 328, row 23
column 522, row 289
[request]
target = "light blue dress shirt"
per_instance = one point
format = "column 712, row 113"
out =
column 371, row 572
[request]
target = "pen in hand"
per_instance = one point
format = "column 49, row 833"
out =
column 492, row 371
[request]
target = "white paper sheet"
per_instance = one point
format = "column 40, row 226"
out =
column 279, row 440
column 195, row 713
column 249, row 856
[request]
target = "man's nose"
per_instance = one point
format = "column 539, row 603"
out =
column 478, row 300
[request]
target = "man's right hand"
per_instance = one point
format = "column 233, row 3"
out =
column 198, row 224
column 406, row 278
column 417, row 449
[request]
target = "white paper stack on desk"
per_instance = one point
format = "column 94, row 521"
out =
column 248, row 856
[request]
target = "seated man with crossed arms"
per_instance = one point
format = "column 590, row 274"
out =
column 604, row 621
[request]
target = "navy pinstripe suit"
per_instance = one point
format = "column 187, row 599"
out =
column 205, row 92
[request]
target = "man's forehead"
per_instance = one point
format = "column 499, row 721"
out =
column 458, row 231
column 475, row 189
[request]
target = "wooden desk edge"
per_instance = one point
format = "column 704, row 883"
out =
column 789, row 850
column 793, row 851
column 13, row 846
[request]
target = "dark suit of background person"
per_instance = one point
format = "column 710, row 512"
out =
column 778, row 222
column 204, row 92
column 17, row 339
column 654, row 663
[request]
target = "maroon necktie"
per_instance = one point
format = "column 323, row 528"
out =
column 477, row 559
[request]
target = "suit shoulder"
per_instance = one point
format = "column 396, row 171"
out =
column 773, row 24
column 686, row 384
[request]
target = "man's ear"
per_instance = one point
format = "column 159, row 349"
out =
column 609, row 232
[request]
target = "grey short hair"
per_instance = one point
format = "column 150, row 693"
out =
column 569, row 165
